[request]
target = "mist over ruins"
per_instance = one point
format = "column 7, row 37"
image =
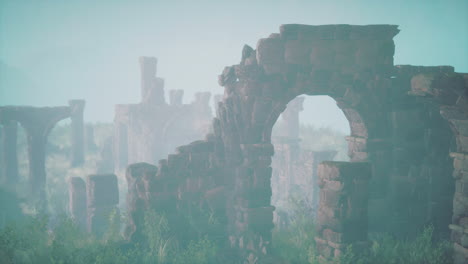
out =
column 315, row 148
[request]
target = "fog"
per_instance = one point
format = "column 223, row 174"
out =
column 52, row 51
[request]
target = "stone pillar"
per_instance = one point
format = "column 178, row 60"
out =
column 175, row 97
column 318, row 157
column 77, row 127
column 459, row 224
column 152, row 88
column 202, row 103
column 253, row 218
column 89, row 138
column 77, row 201
column 38, row 122
column 37, row 140
column 9, row 154
column 136, row 205
column 291, row 117
column 148, row 68
column 342, row 216
column 102, row 200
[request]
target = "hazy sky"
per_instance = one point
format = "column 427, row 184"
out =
column 52, row 51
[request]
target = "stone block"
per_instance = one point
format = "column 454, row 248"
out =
column 262, row 109
column 297, row 52
column 461, row 126
column 102, row 190
column 460, row 207
column 339, row 171
column 216, row 198
column 270, row 51
column 322, row 54
column 462, row 143
column 77, row 201
column 332, row 236
column 259, row 219
column 460, row 254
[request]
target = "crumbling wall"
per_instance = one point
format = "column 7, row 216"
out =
column 187, row 182
column 397, row 126
column 447, row 91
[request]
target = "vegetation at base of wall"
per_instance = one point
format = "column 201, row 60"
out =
column 295, row 244
column 37, row 239
column 34, row 240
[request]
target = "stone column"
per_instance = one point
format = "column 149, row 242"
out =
column 136, row 196
column 342, row 216
column 89, row 138
column 152, row 88
column 77, row 127
column 253, row 218
column 317, row 158
column 77, row 201
column 38, row 122
column 9, row 154
column 175, row 97
column 148, row 67
column 459, row 224
column 37, row 140
column 291, row 117
column 102, row 200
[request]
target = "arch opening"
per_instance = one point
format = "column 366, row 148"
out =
column 312, row 129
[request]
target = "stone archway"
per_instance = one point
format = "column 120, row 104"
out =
column 301, row 143
column 37, row 123
column 354, row 66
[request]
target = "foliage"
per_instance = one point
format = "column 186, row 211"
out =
column 56, row 239
column 296, row 245
column 294, row 242
column 35, row 241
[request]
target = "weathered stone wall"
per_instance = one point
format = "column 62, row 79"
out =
column 342, row 215
column 396, row 126
column 186, row 183
column 448, row 91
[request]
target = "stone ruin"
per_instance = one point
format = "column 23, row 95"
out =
column 91, row 204
column 408, row 146
column 37, row 122
column 149, row 130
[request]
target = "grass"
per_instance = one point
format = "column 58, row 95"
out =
column 56, row 239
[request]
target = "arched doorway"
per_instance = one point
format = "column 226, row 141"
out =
column 311, row 130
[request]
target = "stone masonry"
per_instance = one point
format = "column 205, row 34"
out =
column 342, row 214
column 407, row 122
